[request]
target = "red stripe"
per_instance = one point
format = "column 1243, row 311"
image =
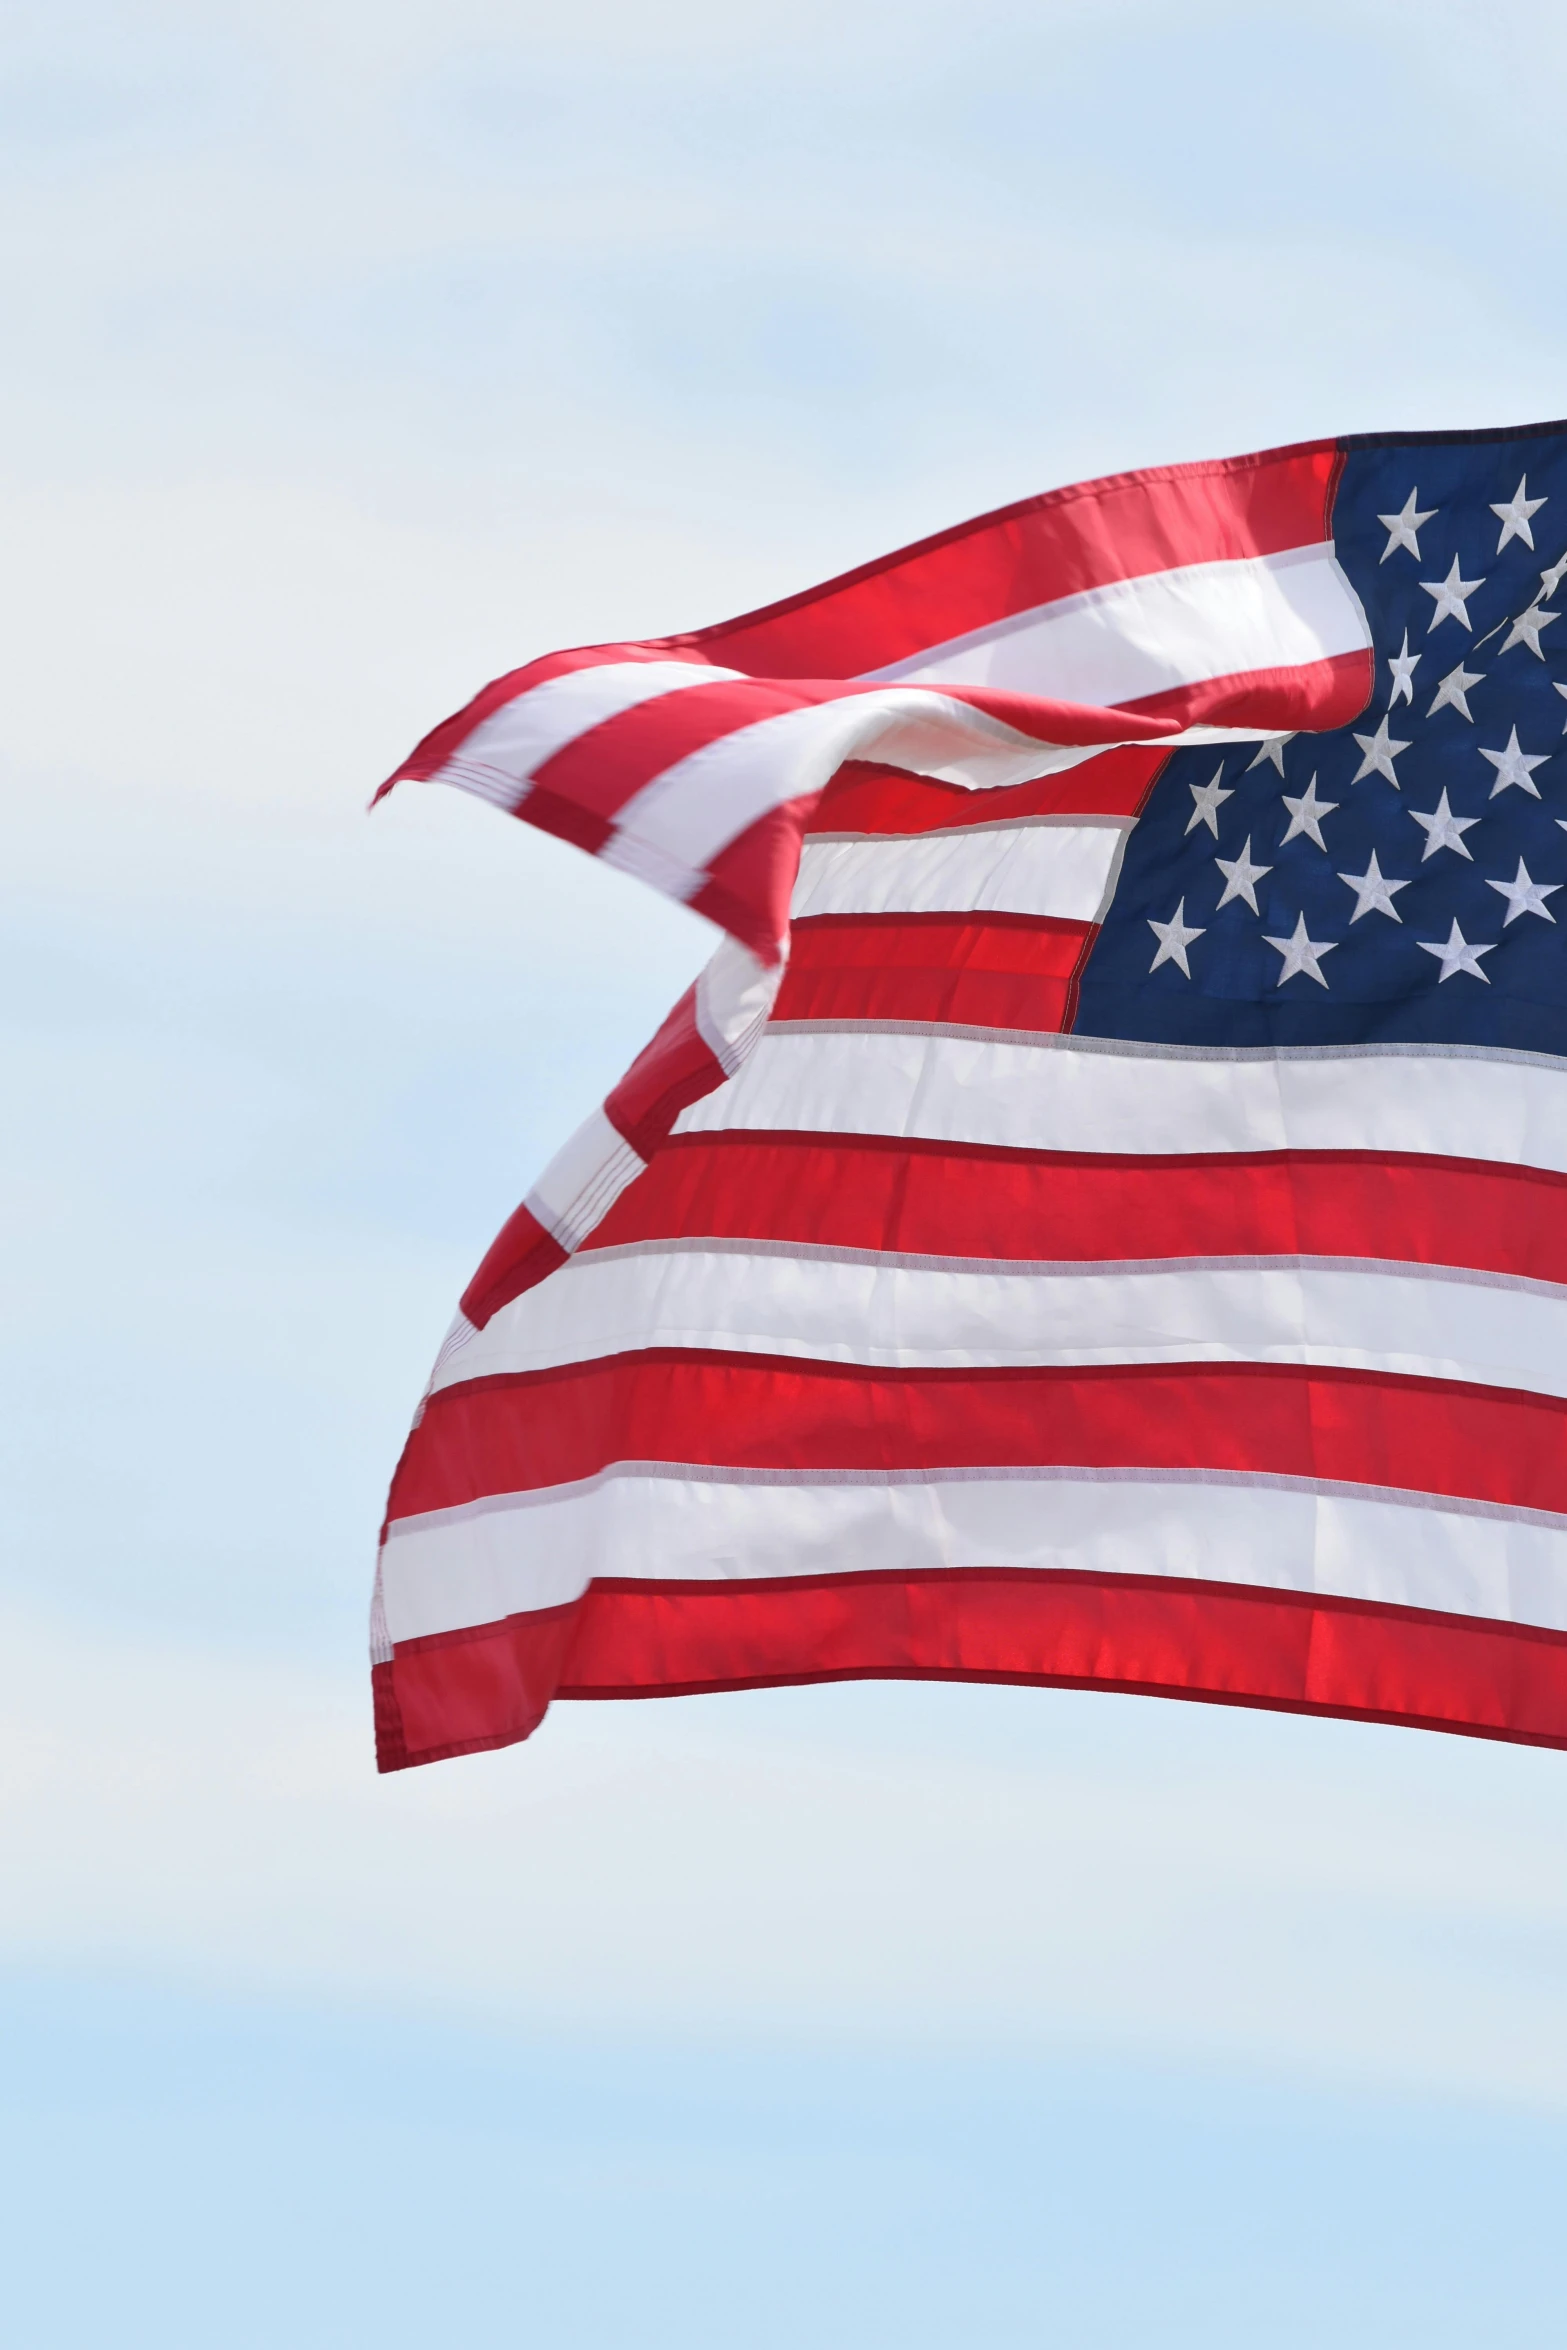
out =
column 1315, row 698
column 520, row 1255
column 944, row 1199
column 676, row 1068
column 603, row 768
column 529, row 1430
column 489, row 1687
column 989, row 971
column 1033, row 553
column 866, row 797
column 751, row 879
column 939, row 1199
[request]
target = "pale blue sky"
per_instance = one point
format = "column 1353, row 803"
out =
column 354, row 354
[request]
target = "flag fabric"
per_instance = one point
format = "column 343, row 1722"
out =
column 1100, row 1219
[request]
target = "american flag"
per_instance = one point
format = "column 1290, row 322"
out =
column 1099, row 1218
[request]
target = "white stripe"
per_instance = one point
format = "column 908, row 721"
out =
column 582, row 1182
column 523, row 733
column 1073, row 1093
column 1169, row 629
column 864, row 1308
column 1057, row 867
column 735, row 992
column 678, row 822
column 523, row 1551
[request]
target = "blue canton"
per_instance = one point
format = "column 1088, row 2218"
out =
column 1396, row 880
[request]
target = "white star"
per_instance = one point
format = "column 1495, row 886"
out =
column 1456, row 955
column 1300, row 953
column 1444, row 830
column 1526, row 629
column 1306, row 814
column 1373, row 891
column 1525, row 896
column 1241, row 877
column 1174, row 937
column 1207, row 799
column 1272, row 750
column 1451, row 596
column 1551, row 578
column 1514, row 516
column 1562, row 690
column 1454, row 690
column 1403, row 529
column 1403, row 665
column 1515, row 766
column 1380, row 751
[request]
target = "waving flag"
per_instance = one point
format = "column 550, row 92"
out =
column 1101, row 1217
